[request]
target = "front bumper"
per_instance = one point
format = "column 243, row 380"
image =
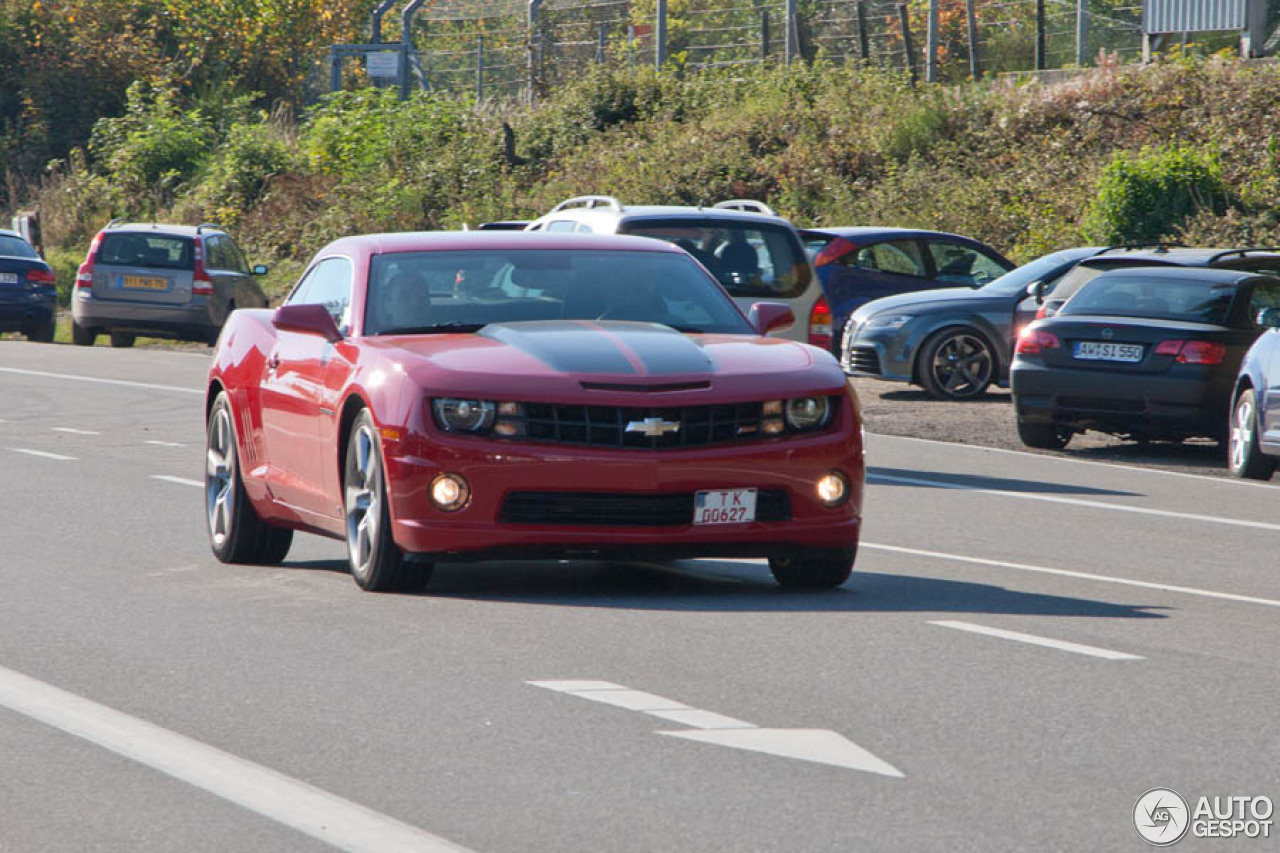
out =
column 1193, row 403
column 879, row 354
column 495, row 470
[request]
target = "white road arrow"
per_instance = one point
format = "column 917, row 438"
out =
column 818, row 745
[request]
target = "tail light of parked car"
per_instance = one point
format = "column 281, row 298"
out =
column 820, row 324
column 200, row 283
column 84, row 275
column 39, row 276
column 1193, row 352
column 1035, row 341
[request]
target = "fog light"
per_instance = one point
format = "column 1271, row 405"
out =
column 833, row 488
column 450, row 492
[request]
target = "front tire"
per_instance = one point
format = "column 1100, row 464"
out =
column 957, row 364
column 814, row 570
column 42, row 334
column 1044, row 436
column 236, row 533
column 1244, row 458
column 377, row 563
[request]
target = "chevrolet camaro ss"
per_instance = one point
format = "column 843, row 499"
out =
column 451, row 397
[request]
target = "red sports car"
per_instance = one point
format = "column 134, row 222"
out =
column 462, row 396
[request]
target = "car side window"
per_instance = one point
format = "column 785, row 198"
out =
column 235, row 257
column 902, row 257
column 215, row 254
column 962, row 264
column 1263, row 296
column 562, row 225
column 328, row 283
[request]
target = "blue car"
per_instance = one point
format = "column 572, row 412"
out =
column 858, row 264
column 1255, row 405
column 27, row 292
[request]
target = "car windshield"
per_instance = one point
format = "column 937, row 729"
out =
column 1153, row 298
column 462, row 291
column 16, row 247
column 1017, row 280
column 750, row 259
column 146, row 250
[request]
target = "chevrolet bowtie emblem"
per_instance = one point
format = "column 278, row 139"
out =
column 653, row 427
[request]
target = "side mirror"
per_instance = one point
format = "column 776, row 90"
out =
column 1269, row 318
column 769, row 317
column 1036, row 289
column 259, row 269
column 307, row 320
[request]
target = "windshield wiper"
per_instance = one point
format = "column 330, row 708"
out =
column 437, row 328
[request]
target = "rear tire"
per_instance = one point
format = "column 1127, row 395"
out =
column 236, row 533
column 1044, row 436
column 120, row 340
column 82, row 337
column 957, row 364
column 377, row 563
column 814, row 569
column 1244, row 458
column 42, row 334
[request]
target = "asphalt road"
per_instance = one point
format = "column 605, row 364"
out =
column 152, row 699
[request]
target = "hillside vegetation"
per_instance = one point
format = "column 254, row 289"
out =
column 1185, row 149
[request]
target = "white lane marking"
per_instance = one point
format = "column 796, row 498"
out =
column 181, row 481
column 124, row 382
column 310, row 810
column 164, row 443
column 1226, row 481
column 1067, row 573
column 817, row 745
column 1112, row 507
column 1032, row 639
column 44, row 454
column 74, row 431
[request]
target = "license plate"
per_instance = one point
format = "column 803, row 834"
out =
column 143, row 282
column 724, row 506
column 8, row 278
column 1105, row 351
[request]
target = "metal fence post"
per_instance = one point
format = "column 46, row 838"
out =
column 479, row 68
column 910, row 59
column 601, row 40
column 1040, row 36
column 764, row 34
column 534, row 7
column 335, row 69
column 931, row 44
column 406, row 44
column 793, row 40
column 971, row 17
column 660, row 35
column 375, row 21
column 864, row 39
column 1082, row 33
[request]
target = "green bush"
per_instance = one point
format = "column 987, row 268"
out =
column 237, row 175
column 1146, row 197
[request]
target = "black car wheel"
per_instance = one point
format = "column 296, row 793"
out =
column 814, row 570
column 377, row 563
column 1044, row 436
column 120, row 340
column 1245, row 458
column 957, row 364
column 41, row 334
column 236, row 533
column 82, row 337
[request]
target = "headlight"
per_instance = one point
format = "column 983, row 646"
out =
column 805, row 413
column 888, row 321
column 464, row 415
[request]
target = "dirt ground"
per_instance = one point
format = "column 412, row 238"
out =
column 893, row 408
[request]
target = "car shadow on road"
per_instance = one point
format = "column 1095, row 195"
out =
column 734, row 586
column 919, row 395
column 939, row 480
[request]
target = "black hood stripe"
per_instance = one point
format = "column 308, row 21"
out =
column 606, row 347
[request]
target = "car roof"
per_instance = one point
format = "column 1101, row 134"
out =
column 1179, row 255
column 416, row 241
column 874, row 231
column 1211, row 275
column 5, row 232
column 623, row 212
column 161, row 228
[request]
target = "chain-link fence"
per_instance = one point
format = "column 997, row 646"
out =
column 522, row 49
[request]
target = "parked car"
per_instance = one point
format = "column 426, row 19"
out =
column 163, row 281
column 858, row 264
column 476, row 395
column 1052, row 297
column 753, row 253
column 955, row 342
column 1254, row 442
column 1146, row 353
column 27, row 293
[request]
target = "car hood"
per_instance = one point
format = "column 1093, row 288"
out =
column 920, row 300
column 562, row 356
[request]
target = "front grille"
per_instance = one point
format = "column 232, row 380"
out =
column 1101, row 404
column 606, row 426
column 863, row 359
column 623, row 510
